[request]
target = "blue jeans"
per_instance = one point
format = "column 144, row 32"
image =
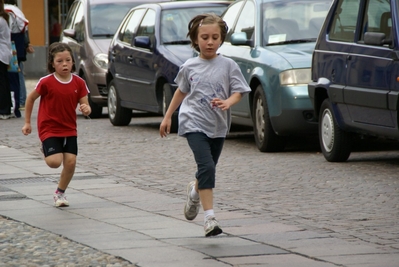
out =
column 22, row 93
column 206, row 153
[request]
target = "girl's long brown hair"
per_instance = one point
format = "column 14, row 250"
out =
column 3, row 13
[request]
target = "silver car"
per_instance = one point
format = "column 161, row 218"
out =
column 88, row 30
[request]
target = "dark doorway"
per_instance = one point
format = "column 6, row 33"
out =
column 57, row 11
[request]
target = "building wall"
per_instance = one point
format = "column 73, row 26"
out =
column 36, row 12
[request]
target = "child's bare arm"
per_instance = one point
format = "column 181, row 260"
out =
column 178, row 97
column 84, row 106
column 30, row 101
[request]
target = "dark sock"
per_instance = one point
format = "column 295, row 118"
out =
column 60, row 190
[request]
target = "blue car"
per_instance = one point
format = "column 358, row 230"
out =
column 272, row 41
column 354, row 87
column 145, row 55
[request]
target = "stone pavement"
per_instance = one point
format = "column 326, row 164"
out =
column 121, row 222
column 144, row 228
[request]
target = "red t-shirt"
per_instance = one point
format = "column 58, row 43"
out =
column 58, row 103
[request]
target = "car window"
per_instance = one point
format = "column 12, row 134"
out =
column 377, row 18
column 230, row 16
column 71, row 15
column 293, row 21
column 147, row 26
column 246, row 21
column 344, row 21
column 105, row 18
column 129, row 27
column 79, row 25
column 174, row 22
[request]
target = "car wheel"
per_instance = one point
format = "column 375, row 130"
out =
column 118, row 115
column 265, row 137
column 96, row 110
column 167, row 98
column 334, row 142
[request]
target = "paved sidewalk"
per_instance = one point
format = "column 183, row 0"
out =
column 142, row 227
column 149, row 229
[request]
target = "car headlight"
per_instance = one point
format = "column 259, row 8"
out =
column 101, row 61
column 294, row 77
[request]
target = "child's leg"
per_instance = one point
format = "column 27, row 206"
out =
column 53, row 151
column 206, row 153
column 70, row 148
column 206, row 197
column 68, row 170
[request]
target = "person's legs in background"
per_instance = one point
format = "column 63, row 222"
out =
column 14, row 87
column 22, row 96
column 5, row 95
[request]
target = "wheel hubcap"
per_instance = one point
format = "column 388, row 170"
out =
column 327, row 131
column 259, row 121
column 164, row 104
column 112, row 102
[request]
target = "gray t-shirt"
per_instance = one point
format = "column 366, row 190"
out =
column 203, row 80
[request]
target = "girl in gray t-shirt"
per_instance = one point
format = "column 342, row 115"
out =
column 208, row 86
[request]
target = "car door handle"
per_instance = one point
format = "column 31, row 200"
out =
column 349, row 57
column 113, row 53
column 130, row 57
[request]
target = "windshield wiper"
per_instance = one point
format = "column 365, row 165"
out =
column 179, row 42
column 297, row 41
column 103, row 35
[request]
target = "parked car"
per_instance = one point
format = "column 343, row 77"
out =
column 145, row 55
column 354, row 87
column 88, row 30
column 272, row 41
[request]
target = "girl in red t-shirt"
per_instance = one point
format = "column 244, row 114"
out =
column 60, row 92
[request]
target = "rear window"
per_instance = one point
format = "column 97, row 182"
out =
column 105, row 18
column 174, row 22
column 287, row 21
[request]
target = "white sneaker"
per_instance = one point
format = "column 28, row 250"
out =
column 191, row 208
column 5, row 117
column 60, row 200
column 212, row 227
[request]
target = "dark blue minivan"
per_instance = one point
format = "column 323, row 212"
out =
column 355, row 75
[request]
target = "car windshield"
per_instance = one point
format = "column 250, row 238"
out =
column 293, row 21
column 174, row 22
column 105, row 18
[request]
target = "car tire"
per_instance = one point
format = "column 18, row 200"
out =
column 265, row 138
column 334, row 142
column 118, row 115
column 96, row 110
column 167, row 98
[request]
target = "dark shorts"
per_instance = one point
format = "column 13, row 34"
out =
column 55, row 145
column 206, row 153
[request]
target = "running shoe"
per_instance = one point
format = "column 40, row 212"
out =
column 212, row 227
column 60, row 200
column 191, row 208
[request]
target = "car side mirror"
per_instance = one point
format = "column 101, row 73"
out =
column 70, row 33
column 376, row 38
column 142, row 41
column 239, row 38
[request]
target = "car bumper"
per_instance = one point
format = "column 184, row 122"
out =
column 295, row 114
column 97, row 85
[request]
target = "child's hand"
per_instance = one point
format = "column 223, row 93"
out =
column 27, row 129
column 85, row 109
column 164, row 128
column 222, row 104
